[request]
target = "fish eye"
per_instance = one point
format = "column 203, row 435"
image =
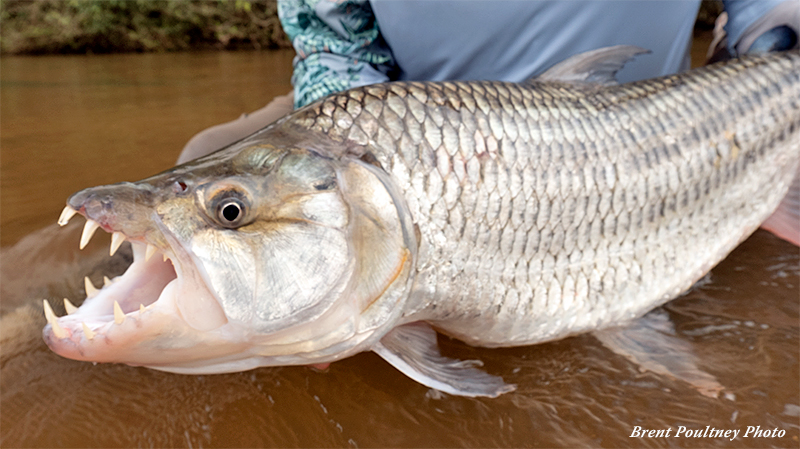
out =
column 225, row 204
column 231, row 212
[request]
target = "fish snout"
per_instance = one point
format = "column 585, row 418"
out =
column 116, row 207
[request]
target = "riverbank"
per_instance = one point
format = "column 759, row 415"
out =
column 117, row 26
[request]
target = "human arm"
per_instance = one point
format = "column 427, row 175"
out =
column 338, row 46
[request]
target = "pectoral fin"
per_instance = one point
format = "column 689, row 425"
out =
column 652, row 344
column 412, row 349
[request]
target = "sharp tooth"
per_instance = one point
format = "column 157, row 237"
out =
column 51, row 318
column 48, row 311
column 107, row 281
column 91, row 290
column 69, row 306
column 66, row 214
column 165, row 256
column 88, row 232
column 119, row 317
column 141, row 309
column 88, row 332
column 116, row 239
column 149, row 252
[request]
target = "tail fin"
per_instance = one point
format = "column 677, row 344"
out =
column 785, row 221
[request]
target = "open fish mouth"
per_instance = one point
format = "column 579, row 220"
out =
column 127, row 308
column 129, row 296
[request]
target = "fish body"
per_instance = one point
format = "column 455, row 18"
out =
column 501, row 214
column 546, row 210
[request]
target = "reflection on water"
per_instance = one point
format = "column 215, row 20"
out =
column 70, row 123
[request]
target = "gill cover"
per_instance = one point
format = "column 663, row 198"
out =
column 309, row 254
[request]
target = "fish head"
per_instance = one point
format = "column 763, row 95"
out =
column 255, row 255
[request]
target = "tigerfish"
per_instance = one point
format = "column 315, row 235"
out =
column 501, row 214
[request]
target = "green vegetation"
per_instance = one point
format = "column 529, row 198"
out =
column 102, row 26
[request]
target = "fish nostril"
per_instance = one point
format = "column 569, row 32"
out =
column 179, row 187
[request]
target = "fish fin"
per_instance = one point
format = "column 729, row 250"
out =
column 651, row 343
column 592, row 67
column 413, row 350
column 785, row 221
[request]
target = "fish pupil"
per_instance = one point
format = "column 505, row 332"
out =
column 231, row 212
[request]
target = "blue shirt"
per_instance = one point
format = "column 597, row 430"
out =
column 344, row 44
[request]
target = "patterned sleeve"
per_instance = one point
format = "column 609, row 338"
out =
column 338, row 46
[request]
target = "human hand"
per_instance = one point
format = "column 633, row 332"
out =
column 776, row 31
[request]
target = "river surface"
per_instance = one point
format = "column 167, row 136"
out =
column 723, row 356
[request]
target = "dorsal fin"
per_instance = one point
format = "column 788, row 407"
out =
column 592, row 67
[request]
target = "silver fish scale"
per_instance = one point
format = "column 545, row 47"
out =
column 547, row 209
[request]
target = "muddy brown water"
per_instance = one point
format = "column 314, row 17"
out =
column 73, row 122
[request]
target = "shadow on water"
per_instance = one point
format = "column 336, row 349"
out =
column 70, row 123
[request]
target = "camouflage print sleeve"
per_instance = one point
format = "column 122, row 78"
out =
column 338, row 46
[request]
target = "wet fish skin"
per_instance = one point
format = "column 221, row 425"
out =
column 547, row 209
column 502, row 214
